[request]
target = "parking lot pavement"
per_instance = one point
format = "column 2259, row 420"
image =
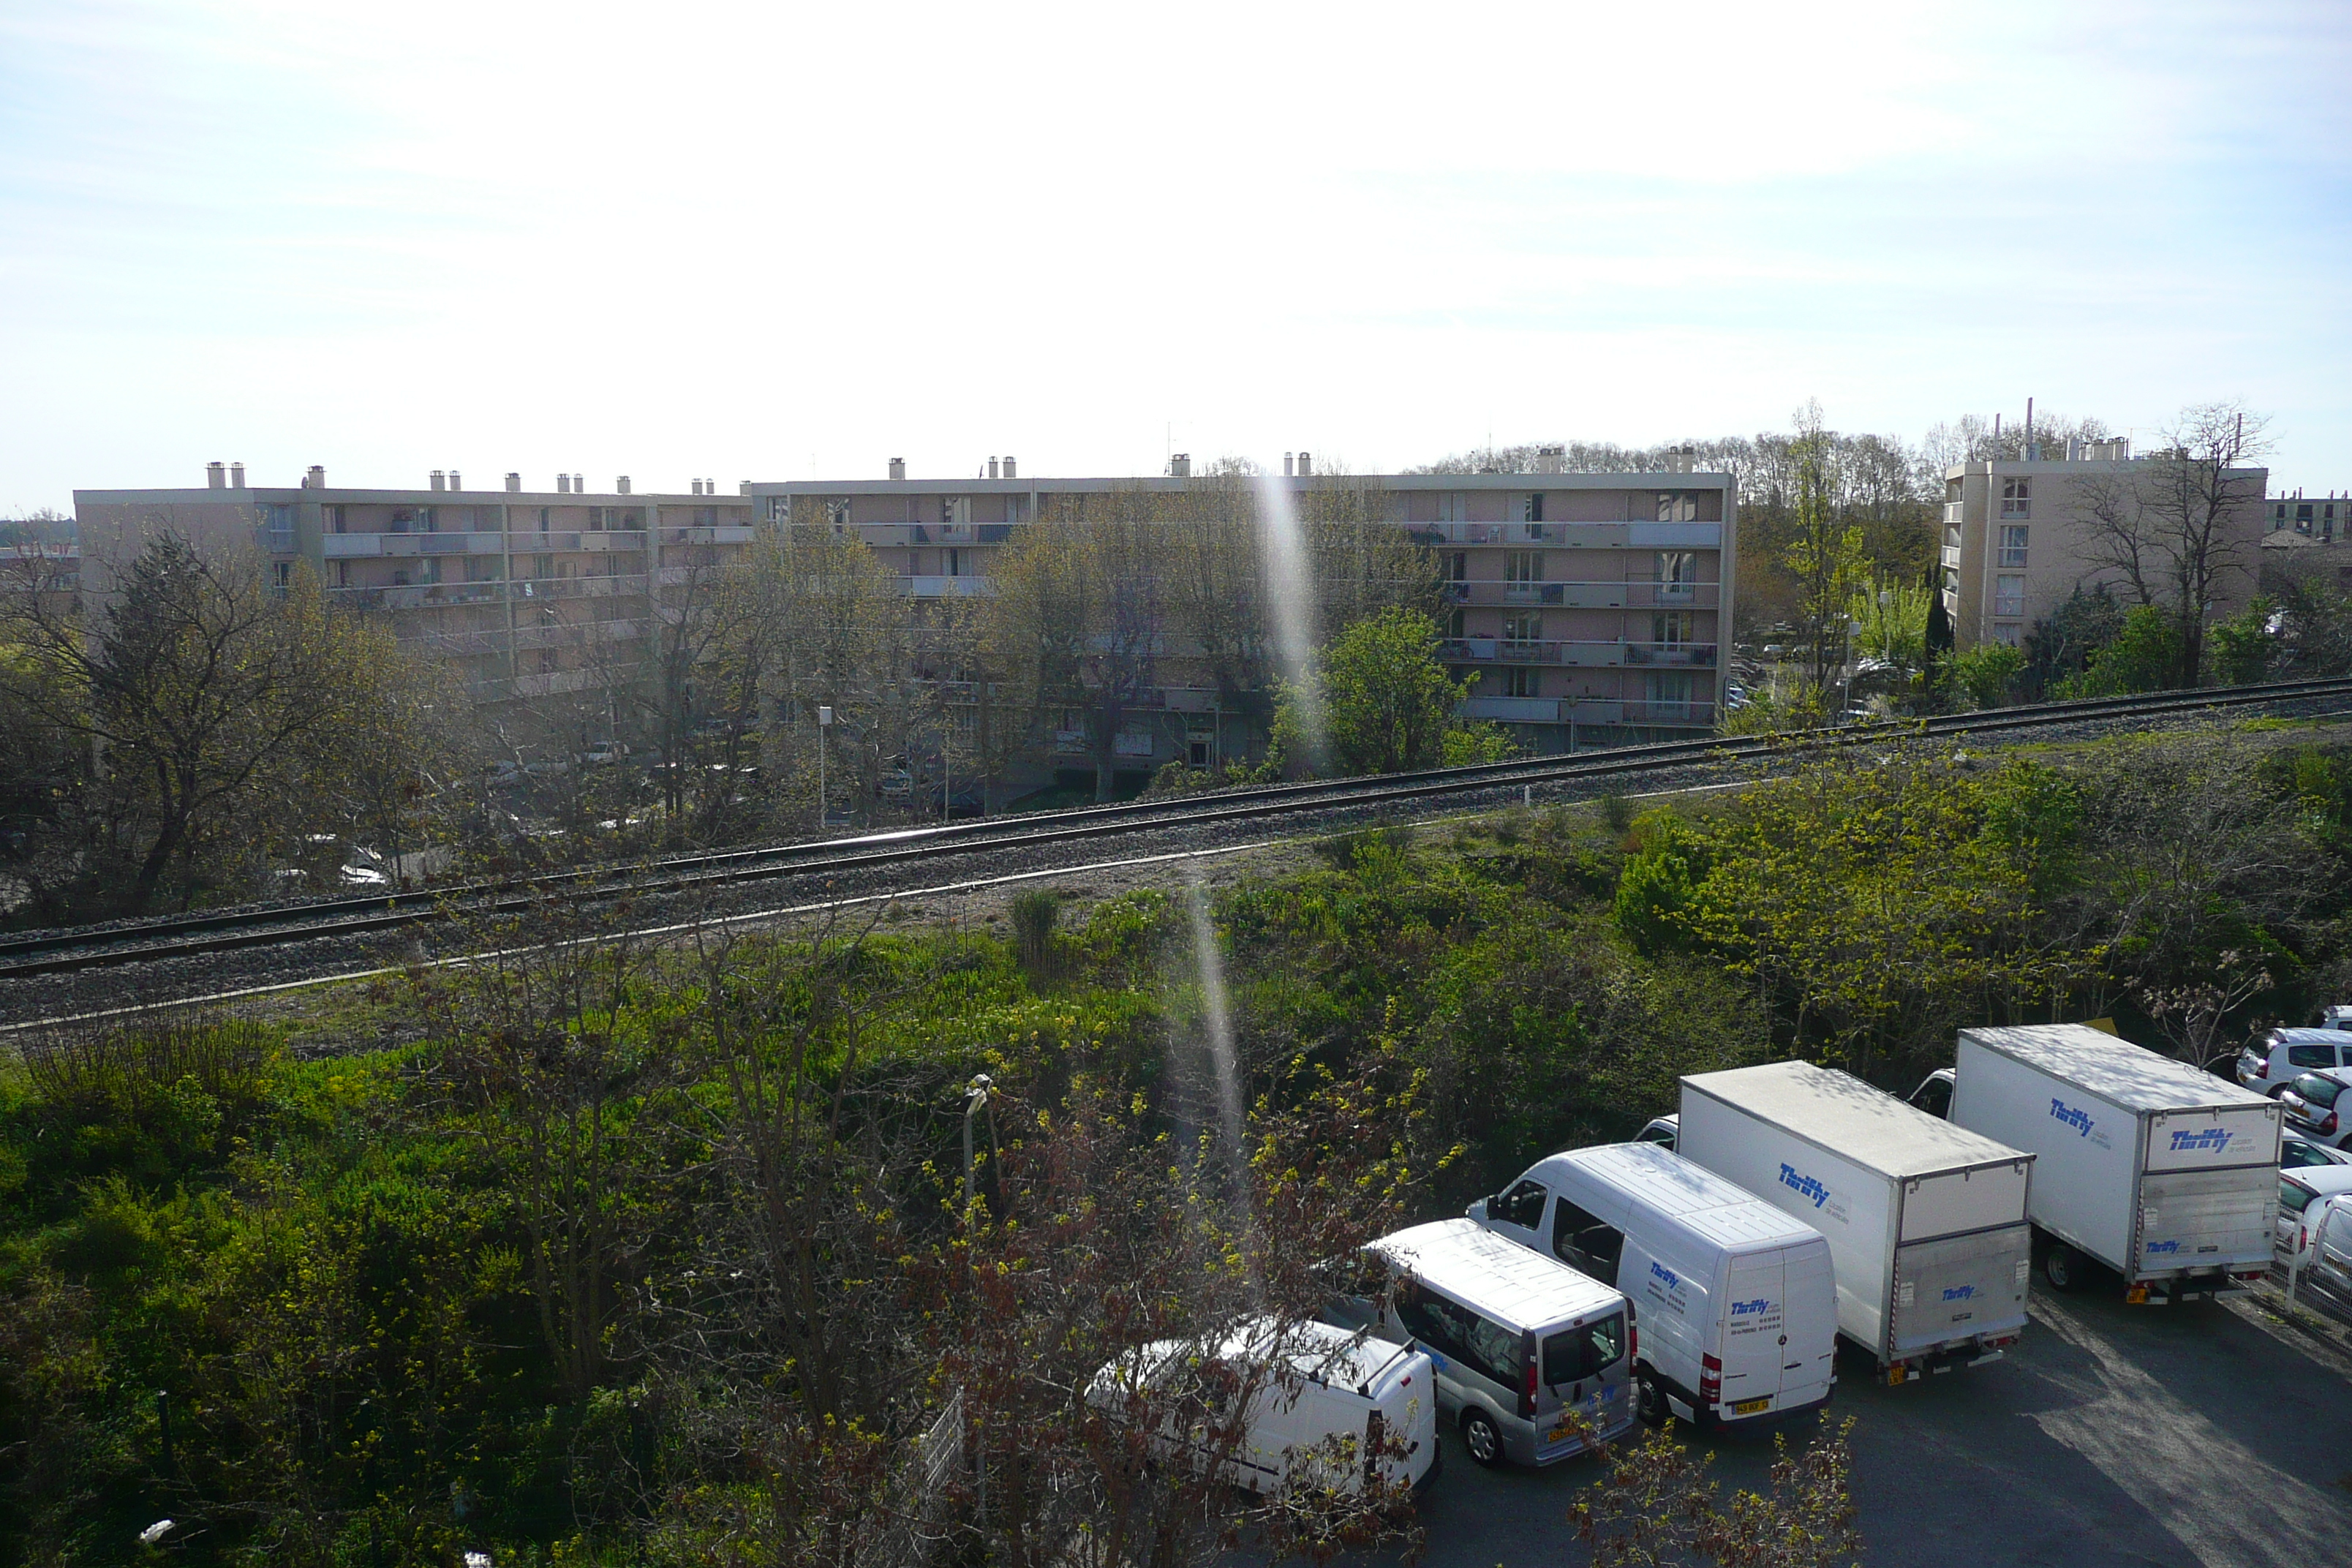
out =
column 2201, row 1433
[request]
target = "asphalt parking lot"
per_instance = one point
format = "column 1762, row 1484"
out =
column 2203, row 1433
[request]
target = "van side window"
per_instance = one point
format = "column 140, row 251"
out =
column 2311, row 1055
column 1523, row 1205
column 1582, row 1241
column 1416, row 1308
column 1491, row 1348
column 1454, row 1330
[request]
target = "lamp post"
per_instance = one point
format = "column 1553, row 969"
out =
column 823, row 723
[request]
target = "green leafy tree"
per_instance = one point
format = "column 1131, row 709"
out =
column 2145, row 656
column 1984, row 672
column 2239, row 650
column 1387, row 703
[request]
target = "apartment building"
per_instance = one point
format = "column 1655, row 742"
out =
column 2322, row 520
column 1589, row 610
column 527, row 594
column 2019, row 536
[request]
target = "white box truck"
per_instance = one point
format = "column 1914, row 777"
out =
column 1738, row 1300
column 1925, row 1220
column 2166, row 1174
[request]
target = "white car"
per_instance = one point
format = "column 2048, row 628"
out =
column 1305, row 1388
column 2296, row 1153
column 2269, row 1064
column 2317, row 1109
column 603, row 754
column 2300, row 1194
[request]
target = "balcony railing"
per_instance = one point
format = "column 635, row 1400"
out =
column 923, row 588
column 1689, row 654
column 1669, row 712
column 1632, row 594
column 1528, row 650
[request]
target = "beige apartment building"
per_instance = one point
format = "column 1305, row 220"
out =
column 1589, row 610
column 2019, row 536
column 527, row 594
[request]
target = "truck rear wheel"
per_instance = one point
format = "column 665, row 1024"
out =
column 2061, row 1267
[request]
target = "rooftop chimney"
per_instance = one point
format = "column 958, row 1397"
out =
column 317, row 478
column 621, row 485
column 897, row 467
column 1306, row 465
column 992, row 467
column 216, row 477
column 1288, row 468
column 579, row 485
column 1008, row 468
column 514, row 482
column 1551, row 459
column 236, row 476
column 1180, row 467
column 456, row 483
column 563, row 484
column 743, row 487
column 436, row 479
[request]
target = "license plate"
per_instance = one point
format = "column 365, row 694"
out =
column 1750, row 1406
column 1560, row 1433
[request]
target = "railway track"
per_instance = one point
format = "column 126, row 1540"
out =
column 230, row 930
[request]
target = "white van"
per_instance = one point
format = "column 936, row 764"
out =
column 1534, row 1361
column 1305, row 1388
column 1737, row 1297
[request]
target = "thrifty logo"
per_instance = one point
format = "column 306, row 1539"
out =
column 2079, row 1121
column 1960, row 1293
column 1750, row 1309
column 2164, row 1247
column 2214, row 1138
column 1805, row 1186
column 1660, row 1271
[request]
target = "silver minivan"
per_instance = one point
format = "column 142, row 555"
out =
column 1534, row 1361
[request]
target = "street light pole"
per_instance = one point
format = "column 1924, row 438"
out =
column 823, row 723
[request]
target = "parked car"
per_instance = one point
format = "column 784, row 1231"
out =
column 2313, row 1107
column 603, row 754
column 2326, row 1278
column 2296, row 1153
column 1534, row 1361
column 2268, row 1065
column 1303, row 1385
column 2299, row 1191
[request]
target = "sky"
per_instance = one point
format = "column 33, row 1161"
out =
column 783, row 241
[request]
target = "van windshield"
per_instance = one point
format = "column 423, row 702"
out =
column 1587, row 1351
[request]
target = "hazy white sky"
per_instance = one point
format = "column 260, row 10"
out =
column 773, row 240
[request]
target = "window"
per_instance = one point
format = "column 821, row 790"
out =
column 2316, row 1090
column 542, row 518
column 1581, row 1240
column 2017, row 497
column 1677, row 570
column 1455, row 1330
column 2294, row 1197
column 1457, row 566
column 1519, row 681
column 1671, row 689
column 1531, row 509
column 1578, row 1353
column 2010, row 635
column 1524, row 628
column 2311, row 1055
column 2009, row 595
column 542, row 566
column 1453, row 505
column 1671, row 628
column 430, row 516
column 285, row 576
column 335, row 520
column 1523, row 567
column 1678, row 506
column 955, row 562
column 1523, row 1205
column 1457, row 625
column 955, row 511
column 706, row 516
column 2012, row 544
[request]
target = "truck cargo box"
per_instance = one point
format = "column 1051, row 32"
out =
column 1925, row 1220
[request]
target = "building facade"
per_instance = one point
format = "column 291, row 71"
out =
column 1587, row 609
column 2020, row 536
column 526, row 594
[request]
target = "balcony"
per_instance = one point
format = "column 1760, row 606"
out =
column 1511, row 710
column 1631, row 594
column 1528, row 650
column 943, row 587
column 1669, row 712
column 1688, row 655
column 721, row 533
column 1952, row 515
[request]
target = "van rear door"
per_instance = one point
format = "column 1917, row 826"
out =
column 1753, row 1317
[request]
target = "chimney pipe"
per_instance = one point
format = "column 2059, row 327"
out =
column 1008, row 469
column 216, row 477
column 897, row 467
column 437, row 478
column 621, row 485
column 1306, row 465
column 1180, row 466
column 579, row 484
column 2030, row 455
column 992, row 467
column 563, row 484
column 318, row 480
column 236, row 476
column 454, row 482
column 1289, row 466
column 514, row 483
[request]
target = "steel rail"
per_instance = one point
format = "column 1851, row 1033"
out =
column 228, row 931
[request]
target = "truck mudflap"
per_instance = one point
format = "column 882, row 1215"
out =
column 1958, row 1290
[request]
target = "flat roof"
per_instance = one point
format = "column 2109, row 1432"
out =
column 2121, row 1073
column 287, row 495
column 1715, row 1207
column 1498, row 1278
column 1042, row 484
column 1850, row 1118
